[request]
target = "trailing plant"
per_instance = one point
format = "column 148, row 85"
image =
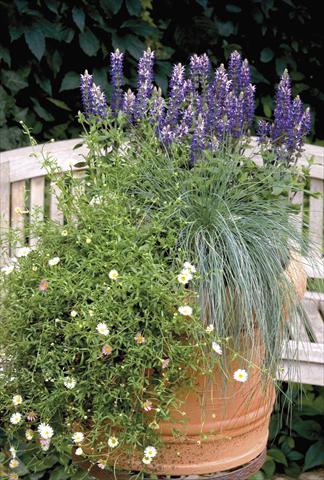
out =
column 173, row 260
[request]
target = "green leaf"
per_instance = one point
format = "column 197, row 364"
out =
column 281, row 64
column 59, row 103
column 36, row 42
column 46, row 85
column 52, row 5
column 59, row 473
column 135, row 47
column 139, row 27
column 203, row 3
column 314, row 455
column 257, row 476
column 277, row 456
column 41, row 112
column 13, row 80
column 293, row 455
column 70, row 81
column 78, row 16
column 43, row 464
column 89, row 42
column 54, row 61
column 266, row 55
column 267, row 105
column 15, row 32
column 307, row 429
column 5, row 55
column 293, row 470
column 112, row 6
column 269, row 467
column 134, row 7
column 225, row 29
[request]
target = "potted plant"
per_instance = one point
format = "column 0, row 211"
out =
column 146, row 331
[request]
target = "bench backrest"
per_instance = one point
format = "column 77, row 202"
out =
column 23, row 186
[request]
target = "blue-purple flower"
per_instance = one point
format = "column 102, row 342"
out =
column 116, row 73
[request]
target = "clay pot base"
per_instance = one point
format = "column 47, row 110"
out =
column 241, row 473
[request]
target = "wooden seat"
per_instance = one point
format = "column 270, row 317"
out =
column 303, row 355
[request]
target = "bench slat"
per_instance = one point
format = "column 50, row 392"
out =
column 315, row 320
column 55, row 214
column 316, row 217
column 18, row 190
column 37, row 199
column 4, row 207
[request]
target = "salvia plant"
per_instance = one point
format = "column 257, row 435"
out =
column 204, row 109
column 173, row 253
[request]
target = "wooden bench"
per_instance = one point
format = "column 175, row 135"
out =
column 21, row 172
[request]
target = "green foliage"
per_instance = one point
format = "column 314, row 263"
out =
column 44, row 46
column 143, row 211
column 296, row 433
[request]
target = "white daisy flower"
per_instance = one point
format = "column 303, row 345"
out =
column 184, row 277
column 217, row 348
column 15, row 418
column 78, row 437
column 103, row 329
column 23, row 251
column 189, row 267
column 185, row 310
column 88, row 240
column 73, row 313
column 69, row 382
column 13, row 463
column 54, row 261
column 113, row 275
column 146, row 460
column 45, row 431
column 17, row 400
column 64, row 233
column 240, row 375
column 79, row 451
column 150, row 452
column 113, row 442
column 7, row 269
column 29, row 434
column 210, row 328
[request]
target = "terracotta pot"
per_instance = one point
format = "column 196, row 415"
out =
column 222, row 425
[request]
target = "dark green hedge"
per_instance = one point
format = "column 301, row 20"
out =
column 45, row 44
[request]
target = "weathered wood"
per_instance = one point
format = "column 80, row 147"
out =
column 297, row 219
column 316, row 207
column 315, row 321
column 55, row 213
column 297, row 329
column 303, row 362
column 4, row 208
column 18, row 212
column 26, row 163
column 37, row 199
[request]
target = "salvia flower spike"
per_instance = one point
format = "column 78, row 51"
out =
column 204, row 110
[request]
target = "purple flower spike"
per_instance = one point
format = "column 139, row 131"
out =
column 199, row 70
column 198, row 140
column 235, row 71
column 245, row 74
column 86, row 95
column 167, row 135
column 157, row 107
column 216, row 98
column 263, row 131
column 116, row 73
column 177, row 94
column 234, row 111
column 144, row 83
column 282, row 110
column 99, row 106
column 129, row 103
column 248, row 105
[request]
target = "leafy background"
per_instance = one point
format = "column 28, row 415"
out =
column 46, row 44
